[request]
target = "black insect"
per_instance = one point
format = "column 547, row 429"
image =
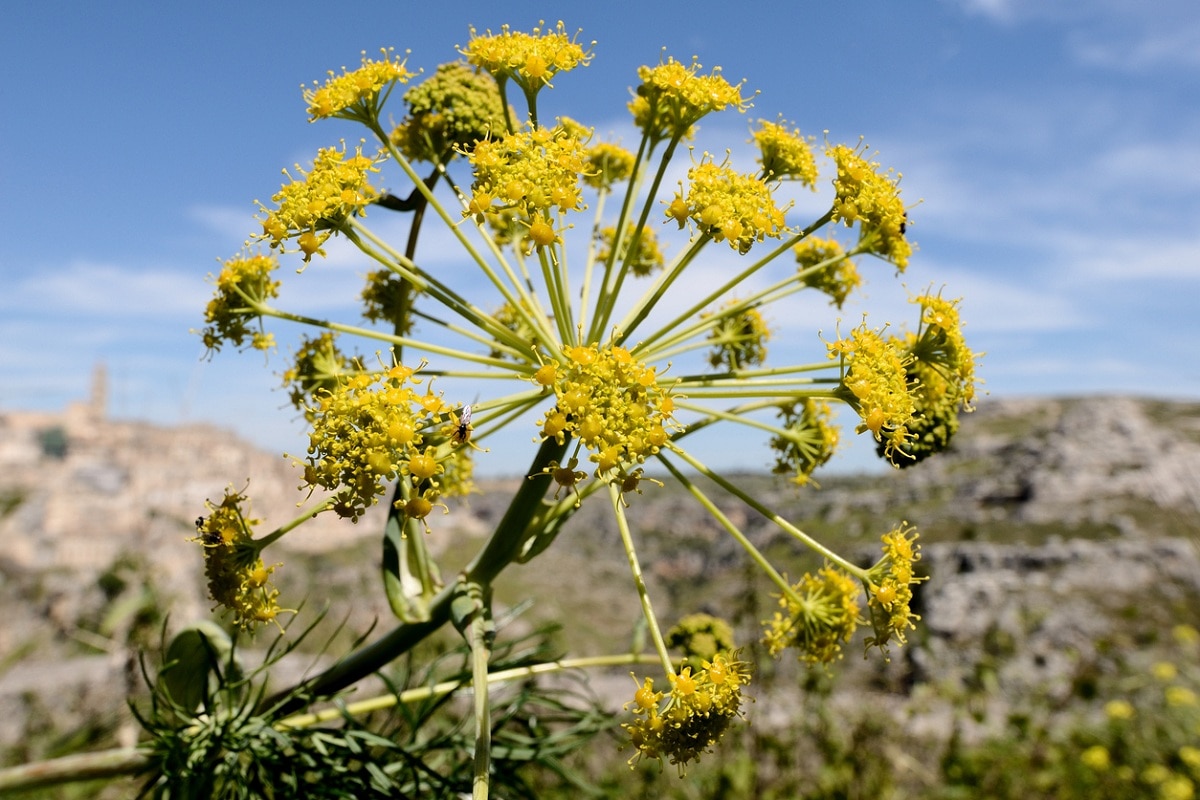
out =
column 462, row 432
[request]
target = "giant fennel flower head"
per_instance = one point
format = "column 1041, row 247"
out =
column 610, row 314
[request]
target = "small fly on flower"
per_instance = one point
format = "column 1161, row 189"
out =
column 462, row 431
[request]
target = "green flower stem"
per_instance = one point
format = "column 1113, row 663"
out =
column 729, row 285
column 737, row 416
column 74, row 768
column 501, row 549
column 614, row 493
column 701, row 322
column 402, row 341
column 125, row 761
column 755, row 554
column 743, row 376
column 606, row 301
column 386, row 701
column 555, row 277
column 751, row 392
column 649, row 300
column 480, row 655
column 513, row 409
column 486, row 339
column 783, row 524
column 590, row 261
column 518, row 307
column 262, row 542
column 408, row 270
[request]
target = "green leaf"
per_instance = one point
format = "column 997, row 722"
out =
column 198, row 651
column 410, row 577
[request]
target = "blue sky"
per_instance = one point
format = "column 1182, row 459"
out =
column 1055, row 149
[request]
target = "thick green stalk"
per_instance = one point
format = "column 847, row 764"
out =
column 501, row 549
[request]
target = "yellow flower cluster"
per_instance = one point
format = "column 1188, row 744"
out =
column 785, row 154
column 237, row 577
column 242, row 284
column 837, row 275
column 728, row 206
column 353, row 93
column 309, row 208
column 819, row 614
column 809, row 441
column 941, row 379
column 646, row 257
column 609, row 401
column 672, row 98
column 739, row 338
column 875, row 383
column 531, row 171
column 365, row 432
column 455, row 108
column 866, row 196
column 530, row 59
column 891, row 580
column 941, row 343
column 695, row 713
column 608, row 164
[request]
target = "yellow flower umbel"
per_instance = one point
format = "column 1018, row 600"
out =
column 687, row 721
column 357, row 95
column 309, row 208
column 890, row 584
column 455, row 108
column 238, row 579
column 807, row 440
column 367, row 429
column 728, row 206
column 875, row 383
column 243, row 287
column 534, row 172
column 819, row 615
column 530, row 60
column 612, row 404
column 786, row 155
column 941, row 380
column 872, row 199
column 826, row 267
column 673, row 97
column 739, row 339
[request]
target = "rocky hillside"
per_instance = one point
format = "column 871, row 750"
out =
column 1053, row 527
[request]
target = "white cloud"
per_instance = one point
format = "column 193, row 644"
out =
column 107, row 290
